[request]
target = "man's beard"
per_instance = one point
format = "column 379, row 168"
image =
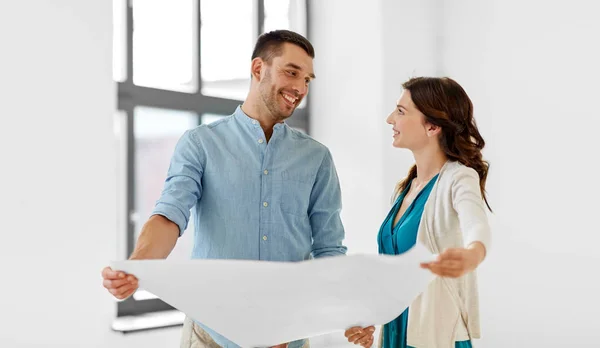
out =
column 270, row 99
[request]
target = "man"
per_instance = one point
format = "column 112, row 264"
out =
column 261, row 190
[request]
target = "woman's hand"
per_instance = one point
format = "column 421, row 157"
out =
column 456, row 262
column 361, row 336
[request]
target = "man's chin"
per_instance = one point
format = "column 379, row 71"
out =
column 282, row 118
column 282, row 112
column 285, row 114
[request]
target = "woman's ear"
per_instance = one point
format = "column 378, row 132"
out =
column 433, row 130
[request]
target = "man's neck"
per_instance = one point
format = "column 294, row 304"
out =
column 262, row 115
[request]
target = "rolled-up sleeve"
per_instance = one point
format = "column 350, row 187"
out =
column 324, row 212
column 470, row 206
column 183, row 184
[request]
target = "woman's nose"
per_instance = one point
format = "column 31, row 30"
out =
column 389, row 119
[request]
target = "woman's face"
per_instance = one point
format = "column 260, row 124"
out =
column 411, row 131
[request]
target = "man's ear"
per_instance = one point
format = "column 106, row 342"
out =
column 256, row 68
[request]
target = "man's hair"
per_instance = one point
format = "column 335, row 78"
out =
column 270, row 45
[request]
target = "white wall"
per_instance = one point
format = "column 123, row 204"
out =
column 410, row 48
column 58, row 177
column 349, row 69
column 362, row 57
column 531, row 69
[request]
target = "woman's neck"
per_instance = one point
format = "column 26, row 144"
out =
column 429, row 163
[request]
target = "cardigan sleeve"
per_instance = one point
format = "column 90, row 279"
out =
column 470, row 206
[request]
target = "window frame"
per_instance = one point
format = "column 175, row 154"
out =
column 130, row 96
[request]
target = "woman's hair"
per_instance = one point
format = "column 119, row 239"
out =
column 446, row 104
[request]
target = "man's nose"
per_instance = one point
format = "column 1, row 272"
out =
column 301, row 90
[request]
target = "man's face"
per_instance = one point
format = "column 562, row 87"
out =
column 285, row 81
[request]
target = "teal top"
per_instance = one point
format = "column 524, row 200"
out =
column 395, row 240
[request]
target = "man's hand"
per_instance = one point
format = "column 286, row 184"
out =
column 456, row 262
column 120, row 284
column 361, row 336
column 283, row 345
column 157, row 240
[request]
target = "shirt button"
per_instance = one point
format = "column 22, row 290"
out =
column 260, row 141
column 265, row 204
column 254, row 122
column 264, row 237
column 266, row 172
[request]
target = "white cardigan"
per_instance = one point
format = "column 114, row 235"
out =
column 455, row 215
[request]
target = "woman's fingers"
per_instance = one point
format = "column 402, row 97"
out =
column 358, row 335
column 365, row 340
column 352, row 331
column 450, row 263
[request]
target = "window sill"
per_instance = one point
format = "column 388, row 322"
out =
column 148, row 321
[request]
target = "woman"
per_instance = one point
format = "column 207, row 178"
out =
column 441, row 204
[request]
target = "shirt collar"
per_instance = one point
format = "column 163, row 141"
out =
column 241, row 116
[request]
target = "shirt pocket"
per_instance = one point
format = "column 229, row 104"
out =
column 295, row 192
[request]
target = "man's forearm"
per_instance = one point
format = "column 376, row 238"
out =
column 157, row 239
column 329, row 251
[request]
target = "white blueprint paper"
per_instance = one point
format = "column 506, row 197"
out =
column 258, row 304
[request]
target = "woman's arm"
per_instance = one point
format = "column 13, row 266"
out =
column 472, row 215
column 470, row 206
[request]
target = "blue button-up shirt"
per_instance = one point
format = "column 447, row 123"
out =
column 254, row 200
